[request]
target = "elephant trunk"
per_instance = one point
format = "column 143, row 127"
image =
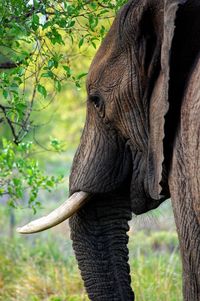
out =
column 99, row 234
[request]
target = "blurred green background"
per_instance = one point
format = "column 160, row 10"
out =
column 42, row 266
column 52, row 44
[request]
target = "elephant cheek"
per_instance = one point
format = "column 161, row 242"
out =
column 141, row 200
column 102, row 163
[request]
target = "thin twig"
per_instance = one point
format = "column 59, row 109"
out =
column 15, row 140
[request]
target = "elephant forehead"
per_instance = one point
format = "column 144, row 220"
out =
column 107, row 73
column 121, row 45
column 110, row 59
column 107, row 62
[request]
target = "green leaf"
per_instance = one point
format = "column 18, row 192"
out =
column 77, row 84
column 11, row 203
column 51, row 64
column 35, row 22
column 21, row 107
column 48, row 74
column 81, row 42
column 58, row 85
column 71, row 23
column 56, row 144
column 5, row 94
column 50, row 183
column 102, row 31
column 93, row 22
column 103, row 11
column 93, row 44
column 79, row 76
column 35, row 19
column 93, row 5
column 55, row 36
column 47, row 24
column 16, row 181
column 42, row 90
column 20, row 71
column 68, row 70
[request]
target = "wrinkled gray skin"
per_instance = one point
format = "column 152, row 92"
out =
column 140, row 142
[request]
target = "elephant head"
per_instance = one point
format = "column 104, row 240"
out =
column 120, row 160
column 123, row 160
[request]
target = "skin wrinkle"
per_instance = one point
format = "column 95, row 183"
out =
column 98, row 155
column 132, row 111
column 102, row 243
column 122, row 123
column 143, row 131
column 184, row 187
column 118, row 172
column 132, row 88
column 103, row 174
column 126, row 146
column 99, row 143
column 113, row 260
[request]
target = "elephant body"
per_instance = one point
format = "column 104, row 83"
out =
column 141, row 142
column 185, row 186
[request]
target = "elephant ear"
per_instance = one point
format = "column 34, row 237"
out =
column 159, row 106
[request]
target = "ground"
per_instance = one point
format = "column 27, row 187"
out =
column 42, row 267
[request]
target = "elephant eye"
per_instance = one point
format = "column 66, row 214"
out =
column 98, row 103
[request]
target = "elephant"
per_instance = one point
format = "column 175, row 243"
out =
column 140, row 145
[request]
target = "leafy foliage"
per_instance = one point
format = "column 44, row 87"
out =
column 43, row 46
column 20, row 173
column 39, row 42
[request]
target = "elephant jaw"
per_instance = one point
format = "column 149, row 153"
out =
column 57, row 216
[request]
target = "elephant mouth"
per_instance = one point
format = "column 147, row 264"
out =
column 73, row 204
column 76, row 201
column 78, row 198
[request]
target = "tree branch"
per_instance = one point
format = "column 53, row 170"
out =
column 11, row 65
column 8, row 65
column 15, row 140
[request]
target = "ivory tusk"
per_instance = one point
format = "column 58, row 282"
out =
column 60, row 214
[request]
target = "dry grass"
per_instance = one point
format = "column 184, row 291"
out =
column 41, row 271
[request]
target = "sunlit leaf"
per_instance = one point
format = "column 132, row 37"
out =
column 42, row 90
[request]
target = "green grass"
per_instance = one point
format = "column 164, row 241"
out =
column 38, row 271
column 155, row 266
column 44, row 268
